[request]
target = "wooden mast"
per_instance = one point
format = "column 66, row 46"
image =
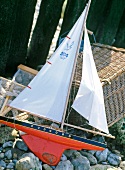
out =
column 77, row 52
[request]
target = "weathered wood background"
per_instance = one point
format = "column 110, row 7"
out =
column 106, row 20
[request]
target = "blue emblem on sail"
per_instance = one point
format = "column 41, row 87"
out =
column 63, row 55
column 69, row 46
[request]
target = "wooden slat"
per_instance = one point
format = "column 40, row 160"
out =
column 10, row 89
column 27, row 69
column 109, row 47
column 18, row 84
column 5, row 111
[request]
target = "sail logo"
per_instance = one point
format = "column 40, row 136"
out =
column 64, row 55
column 69, row 46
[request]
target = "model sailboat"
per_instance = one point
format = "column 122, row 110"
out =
column 47, row 96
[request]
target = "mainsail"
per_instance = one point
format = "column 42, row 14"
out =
column 47, row 92
column 89, row 100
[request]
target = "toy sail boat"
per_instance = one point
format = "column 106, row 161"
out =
column 47, row 96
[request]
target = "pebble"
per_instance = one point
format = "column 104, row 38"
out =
column 90, row 157
column 2, row 163
column 8, row 144
column 102, row 155
column 63, row 158
column 64, row 165
column 21, row 145
column 8, row 154
column 122, row 165
column 70, row 160
column 47, row 167
column 10, row 165
column 2, row 155
column 114, row 159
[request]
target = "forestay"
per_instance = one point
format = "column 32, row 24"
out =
column 47, row 92
column 89, row 101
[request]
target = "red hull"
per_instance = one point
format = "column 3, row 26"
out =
column 49, row 147
column 46, row 150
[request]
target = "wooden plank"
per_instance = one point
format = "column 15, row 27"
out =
column 10, row 89
column 108, row 47
column 21, row 85
column 27, row 69
column 12, row 82
column 4, row 104
column 5, row 111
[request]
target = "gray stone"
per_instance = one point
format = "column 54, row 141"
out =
column 24, row 77
column 47, row 167
column 53, row 167
column 64, row 165
column 1, row 155
column 8, row 154
column 19, row 78
column 102, row 155
column 1, row 149
column 99, row 139
column 92, row 152
column 90, row 157
column 2, row 164
column 10, row 165
column 6, row 135
column 28, row 161
column 17, row 153
column 8, row 144
column 63, row 158
column 21, row 145
column 114, row 168
column 114, row 159
column 80, row 162
column 101, row 167
column 116, row 152
column 14, row 155
column 122, row 165
column 15, row 161
column 68, row 153
column 104, row 163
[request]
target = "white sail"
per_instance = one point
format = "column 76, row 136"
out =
column 89, row 100
column 47, row 92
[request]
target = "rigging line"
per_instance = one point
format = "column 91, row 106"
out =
column 14, row 123
column 73, row 91
column 14, row 118
column 68, row 115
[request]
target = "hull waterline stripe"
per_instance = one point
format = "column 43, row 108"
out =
column 52, row 131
